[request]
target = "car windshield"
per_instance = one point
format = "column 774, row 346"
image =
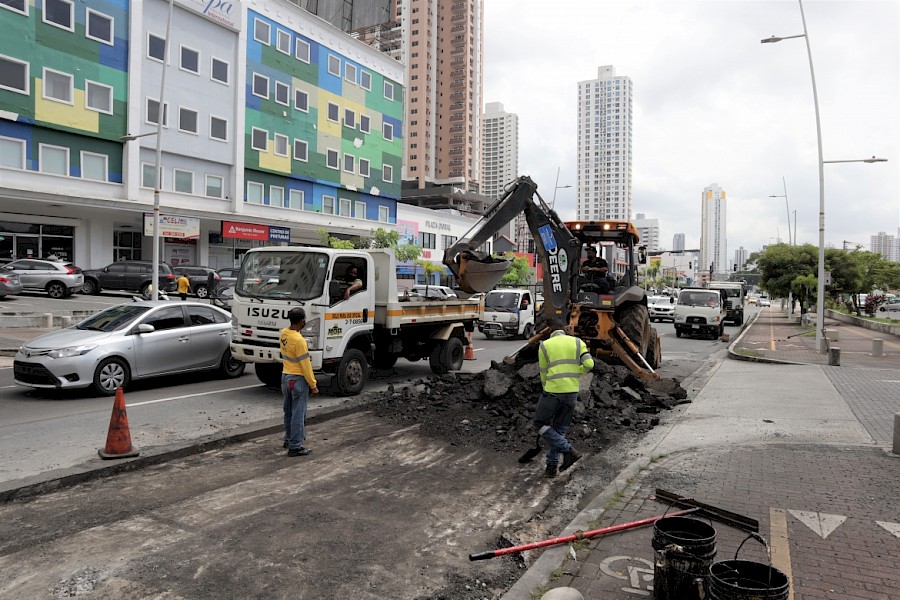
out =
column 113, row 318
column 501, row 301
column 663, row 300
column 278, row 275
column 699, row 298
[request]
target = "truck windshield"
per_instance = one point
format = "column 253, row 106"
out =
column 699, row 299
column 292, row 274
column 501, row 301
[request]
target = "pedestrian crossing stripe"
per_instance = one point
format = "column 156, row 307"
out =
column 892, row 528
column 820, row 523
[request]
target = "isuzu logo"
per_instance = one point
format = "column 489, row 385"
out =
column 266, row 312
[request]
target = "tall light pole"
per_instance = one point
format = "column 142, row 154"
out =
column 558, row 187
column 788, row 207
column 820, row 290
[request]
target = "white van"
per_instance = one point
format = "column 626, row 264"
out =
column 508, row 312
column 700, row 311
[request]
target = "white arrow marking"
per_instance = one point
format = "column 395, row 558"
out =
column 892, row 528
column 821, row 523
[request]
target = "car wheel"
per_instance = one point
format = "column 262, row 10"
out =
column 488, row 336
column 145, row 290
column 56, row 290
column 231, row 367
column 111, row 374
column 528, row 332
column 352, row 373
column 202, row 292
column 90, row 287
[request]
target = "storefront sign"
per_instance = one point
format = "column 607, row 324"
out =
column 437, row 225
column 279, row 234
column 173, row 226
column 245, row 231
column 222, row 12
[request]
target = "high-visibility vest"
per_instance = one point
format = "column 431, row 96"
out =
column 562, row 360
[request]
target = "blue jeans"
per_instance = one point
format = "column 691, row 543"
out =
column 295, row 398
column 552, row 419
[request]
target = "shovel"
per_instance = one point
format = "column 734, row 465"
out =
column 531, row 452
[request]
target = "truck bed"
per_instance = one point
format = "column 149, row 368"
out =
column 396, row 314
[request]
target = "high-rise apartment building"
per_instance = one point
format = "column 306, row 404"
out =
column 500, row 158
column 885, row 245
column 604, row 146
column 740, row 258
column 678, row 242
column 713, row 247
column 648, row 229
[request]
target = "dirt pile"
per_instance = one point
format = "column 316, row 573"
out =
column 494, row 409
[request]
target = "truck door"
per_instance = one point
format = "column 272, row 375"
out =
column 351, row 298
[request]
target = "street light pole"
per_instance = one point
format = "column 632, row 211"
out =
column 788, row 207
column 557, row 187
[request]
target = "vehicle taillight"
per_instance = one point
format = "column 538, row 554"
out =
column 170, row 276
column 4, row 280
column 70, row 270
column 218, row 277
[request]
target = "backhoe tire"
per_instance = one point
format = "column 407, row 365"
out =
column 635, row 322
column 654, row 351
column 447, row 356
column 352, row 373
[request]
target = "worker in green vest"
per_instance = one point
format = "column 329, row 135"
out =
column 562, row 359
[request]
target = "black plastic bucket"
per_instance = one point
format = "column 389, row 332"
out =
column 685, row 549
column 746, row 580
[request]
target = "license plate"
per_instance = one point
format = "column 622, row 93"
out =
column 695, row 327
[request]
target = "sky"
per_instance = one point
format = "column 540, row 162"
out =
column 714, row 105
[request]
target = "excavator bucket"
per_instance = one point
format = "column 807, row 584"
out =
column 477, row 276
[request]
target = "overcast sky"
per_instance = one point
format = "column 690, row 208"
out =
column 714, row 105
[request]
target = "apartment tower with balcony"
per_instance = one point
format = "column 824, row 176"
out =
column 713, row 246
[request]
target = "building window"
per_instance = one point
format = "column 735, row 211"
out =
column 333, row 112
column 345, row 207
column 301, row 100
column 349, row 163
column 219, row 71
column 427, row 240
column 388, row 131
column 364, row 123
column 14, row 75
column 281, row 144
column 156, row 47
column 190, row 60
column 334, row 65
column 187, row 120
column 349, row 118
column 19, row 6
column 350, row 72
column 283, row 41
column 276, row 196
column 153, row 112
column 364, row 167
column 214, row 186
column 98, row 97
column 59, row 13
column 260, row 85
column 365, row 80
column 384, row 214
column 54, row 160
column 359, row 209
column 282, row 93
column 387, row 173
column 259, row 139
column 12, row 153
column 388, row 90
column 328, row 205
column 262, row 32
column 184, row 181
column 148, row 175
column 255, row 192
column 100, row 27
column 218, row 128
column 296, row 199
column 301, row 52
column 331, row 159
column 301, row 150
column 93, row 166
column 57, row 86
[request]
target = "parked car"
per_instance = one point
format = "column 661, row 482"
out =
column 59, row 279
column 661, row 308
column 10, row 283
column 199, row 278
column 889, row 307
column 128, row 342
column 228, row 274
column 434, row 291
column 129, row 276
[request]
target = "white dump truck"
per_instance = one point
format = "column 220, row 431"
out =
column 350, row 328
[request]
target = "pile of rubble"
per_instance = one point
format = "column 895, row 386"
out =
column 494, row 409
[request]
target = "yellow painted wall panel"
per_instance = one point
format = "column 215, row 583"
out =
column 272, row 162
column 74, row 115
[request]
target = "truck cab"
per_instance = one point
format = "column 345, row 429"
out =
column 700, row 311
column 508, row 312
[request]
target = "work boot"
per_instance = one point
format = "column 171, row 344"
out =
column 301, row 451
column 569, row 458
column 550, row 473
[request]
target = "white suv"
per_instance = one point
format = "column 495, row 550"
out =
column 700, row 311
column 661, row 308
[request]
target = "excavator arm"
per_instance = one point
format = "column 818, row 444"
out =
column 557, row 249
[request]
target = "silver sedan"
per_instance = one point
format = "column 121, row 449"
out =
column 127, row 342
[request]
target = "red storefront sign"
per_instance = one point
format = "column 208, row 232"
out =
column 245, row 231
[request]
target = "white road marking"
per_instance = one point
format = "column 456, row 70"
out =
column 821, row 523
column 245, row 387
column 892, row 528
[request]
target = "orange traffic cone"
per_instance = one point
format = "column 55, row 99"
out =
column 470, row 349
column 118, row 440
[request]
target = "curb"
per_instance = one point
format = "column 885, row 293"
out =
column 758, row 359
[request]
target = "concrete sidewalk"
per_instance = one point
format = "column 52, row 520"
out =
column 778, row 436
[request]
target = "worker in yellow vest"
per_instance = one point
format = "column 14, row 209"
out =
column 562, row 359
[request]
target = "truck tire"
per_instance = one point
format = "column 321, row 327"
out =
column 447, row 356
column 269, row 373
column 654, row 351
column 635, row 322
column 528, row 332
column 352, row 373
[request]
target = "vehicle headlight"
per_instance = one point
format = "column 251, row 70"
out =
column 513, row 318
column 71, row 351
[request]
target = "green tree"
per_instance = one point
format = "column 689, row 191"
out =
column 780, row 264
column 329, row 241
column 518, row 273
column 430, row 269
column 381, row 238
